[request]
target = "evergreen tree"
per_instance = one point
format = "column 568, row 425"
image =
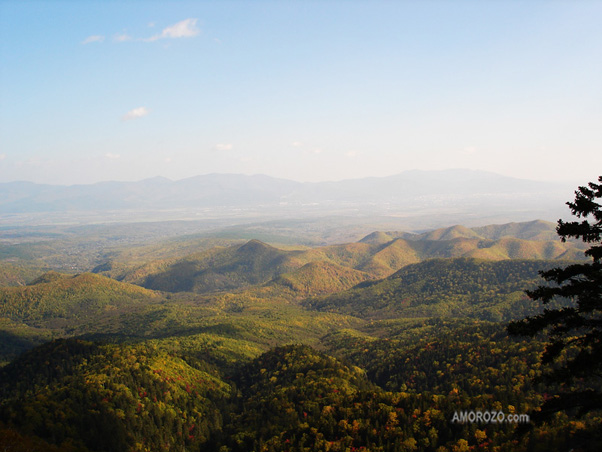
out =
column 574, row 349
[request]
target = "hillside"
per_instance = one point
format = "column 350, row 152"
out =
column 450, row 233
column 488, row 290
column 88, row 397
column 217, row 371
column 320, row 277
column 111, row 397
column 13, row 275
column 215, row 270
column 54, row 296
column 377, row 255
column 530, row 230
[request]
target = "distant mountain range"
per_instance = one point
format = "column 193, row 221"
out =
column 423, row 191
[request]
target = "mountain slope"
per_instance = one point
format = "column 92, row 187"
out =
column 12, row 275
column 461, row 287
column 450, row 233
column 320, row 278
column 374, row 256
column 530, row 230
column 62, row 296
column 219, row 269
column 111, row 397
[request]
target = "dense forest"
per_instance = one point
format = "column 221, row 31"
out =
column 376, row 345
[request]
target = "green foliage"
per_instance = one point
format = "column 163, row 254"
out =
column 319, row 278
column 376, row 256
column 220, row 269
column 207, row 367
column 54, row 295
column 17, row 337
column 574, row 330
column 111, row 397
column 15, row 275
column 443, row 287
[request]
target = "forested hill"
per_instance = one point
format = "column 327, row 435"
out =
column 13, row 275
column 377, row 255
column 488, row 290
column 84, row 397
column 111, row 398
column 364, row 346
column 55, row 295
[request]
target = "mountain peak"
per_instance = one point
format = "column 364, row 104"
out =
column 48, row 277
column 255, row 246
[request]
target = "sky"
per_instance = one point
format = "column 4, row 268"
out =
column 302, row 90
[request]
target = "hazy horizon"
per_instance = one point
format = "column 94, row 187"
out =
column 126, row 91
column 447, row 170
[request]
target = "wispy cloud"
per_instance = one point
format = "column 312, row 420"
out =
column 223, row 146
column 93, row 38
column 2, row 157
column 122, row 37
column 296, row 144
column 184, row 29
column 135, row 113
column 352, row 154
column 112, row 156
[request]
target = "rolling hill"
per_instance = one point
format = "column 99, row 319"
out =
column 54, row 295
column 217, row 269
column 320, row 277
column 460, row 287
column 111, row 397
column 376, row 256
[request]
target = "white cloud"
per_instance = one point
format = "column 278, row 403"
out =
column 352, row 154
column 122, row 37
column 296, row 144
column 94, row 38
column 470, row 150
column 168, row 160
column 223, row 146
column 112, row 156
column 2, row 156
column 135, row 113
column 184, row 29
column 316, row 151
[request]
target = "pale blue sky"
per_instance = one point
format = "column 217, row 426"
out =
column 308, row 91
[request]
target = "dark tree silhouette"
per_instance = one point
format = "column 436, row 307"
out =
column 574, row 349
